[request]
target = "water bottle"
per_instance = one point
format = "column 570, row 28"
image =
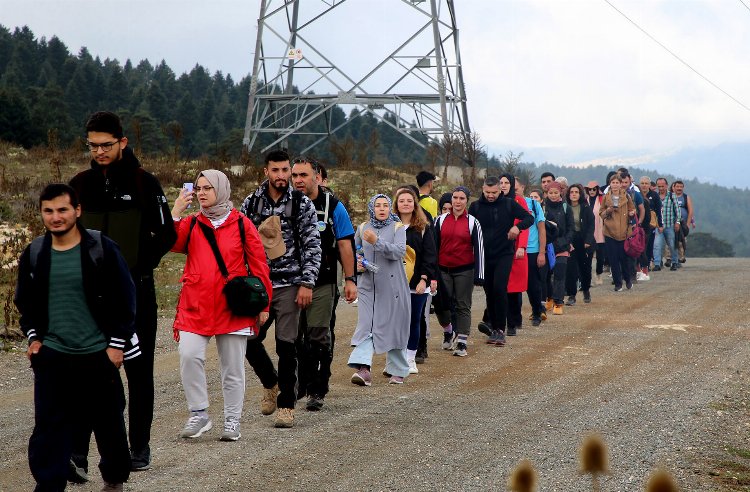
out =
column 368, row 265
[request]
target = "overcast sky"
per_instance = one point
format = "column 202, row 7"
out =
column 556, row 79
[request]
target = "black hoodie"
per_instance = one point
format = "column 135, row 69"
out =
column 496, row 219
column 128, row 205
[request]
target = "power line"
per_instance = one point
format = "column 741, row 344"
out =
column 743, row 3
column 677, row 57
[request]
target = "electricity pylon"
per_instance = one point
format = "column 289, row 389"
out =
column 305, row 64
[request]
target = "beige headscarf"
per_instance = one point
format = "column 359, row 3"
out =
column 220, row 182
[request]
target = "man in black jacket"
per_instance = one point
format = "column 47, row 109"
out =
column 77, row 305
column 126, row 203
column 496, row 214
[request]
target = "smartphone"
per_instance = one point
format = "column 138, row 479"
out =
column 188, row 187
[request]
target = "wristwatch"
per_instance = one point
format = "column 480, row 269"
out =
column 353, row 278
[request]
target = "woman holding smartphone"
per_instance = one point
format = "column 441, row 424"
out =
column 616, row 211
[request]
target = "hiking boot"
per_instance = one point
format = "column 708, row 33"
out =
column 536, row 321
column 112, row 487
column 284, row 418
column 682, row 260
column 449, row 338
column 586, row 296
column 668, row 263
column 571, row 301
column 558, row 309
column 543, row 315
column 140, row 460
column 362, row 377
column 396, row 380
column 511, row 331
column 673, row 268
column 413, row 367
column 314, row 403
column 484, row 328
column 268, row 400
column 549, row 304
column 197, row 424
column 231, row 429
column 77, row 474
column 460, row 350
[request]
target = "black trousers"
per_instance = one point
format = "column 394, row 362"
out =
column 534, row 286
column 140, row 374
column 496, row 275
column 601, row 258
column 579, row 267
column 73, row 393
column 315, row 357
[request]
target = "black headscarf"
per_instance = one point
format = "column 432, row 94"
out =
column 512, row 192
column 444, row 198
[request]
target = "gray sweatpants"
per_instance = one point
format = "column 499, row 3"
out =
column 457, row 287
column 231, row 349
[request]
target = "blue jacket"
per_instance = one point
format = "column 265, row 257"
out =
column 107, row 283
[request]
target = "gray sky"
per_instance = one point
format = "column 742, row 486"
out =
column 556, row 79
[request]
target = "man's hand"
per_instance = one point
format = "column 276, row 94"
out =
column 304, row 297
column 370, row 236
column 513, row 232
column 262, row 318
column 541, row 259
column 677, row 227
column 115, row 356
column 350, row 291
column 33, row 348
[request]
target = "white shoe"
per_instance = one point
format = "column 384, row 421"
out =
column 413, row 367
column 640, row 276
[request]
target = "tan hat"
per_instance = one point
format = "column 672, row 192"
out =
column 270, row 236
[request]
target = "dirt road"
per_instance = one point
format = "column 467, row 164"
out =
column 659, row 371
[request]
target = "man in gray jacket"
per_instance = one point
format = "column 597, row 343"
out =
column 293, row 275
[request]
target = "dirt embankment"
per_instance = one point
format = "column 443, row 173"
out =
column 659, row 371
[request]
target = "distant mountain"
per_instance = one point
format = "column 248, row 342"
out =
column 724, row 164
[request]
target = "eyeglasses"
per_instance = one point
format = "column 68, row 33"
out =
column 106, row 147
column 198, row 189
column 307, row 160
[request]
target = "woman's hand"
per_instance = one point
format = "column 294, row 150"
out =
column 370, row 236
column 433, row 285
column 419, row 289
column 520, row 252
column 262, row 318
column 184, row 199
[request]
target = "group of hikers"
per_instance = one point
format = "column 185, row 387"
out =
column 87, row 298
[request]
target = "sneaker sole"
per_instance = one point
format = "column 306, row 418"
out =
column 200, row 432
column 484, row 328
column 140, row 468
column 359, row 381
column 459, row 354
column 229, row 438
column 395, row 382
column 77, row 474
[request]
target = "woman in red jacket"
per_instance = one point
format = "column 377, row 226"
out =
column 518, row 280
column 202, row 310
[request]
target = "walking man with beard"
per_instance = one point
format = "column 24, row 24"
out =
column 77, row 303
column 295, row 263
column 127, row 204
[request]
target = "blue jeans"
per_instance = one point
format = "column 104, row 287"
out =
column 669, row 234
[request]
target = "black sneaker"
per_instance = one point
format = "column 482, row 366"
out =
column 448, row 340
column 586, row 296
column 511, row 331
column 668, row 263
column 673, row 268
column 420, row 356
column 628, row 285
column 485, row 328
column 314, row 403
column 571, row 301
column 497, row 338
column 536, row 321
column 657, row 268
column 460, row 350
column 683, row 260
column 140, row 460
column 77, row 474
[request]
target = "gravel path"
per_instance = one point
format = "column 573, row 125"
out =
column 659, row 371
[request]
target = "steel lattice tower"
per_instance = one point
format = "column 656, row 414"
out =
column 415, row 84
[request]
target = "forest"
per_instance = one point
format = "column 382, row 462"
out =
column 47, row 92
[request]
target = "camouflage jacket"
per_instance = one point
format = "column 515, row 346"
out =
column 301, row 262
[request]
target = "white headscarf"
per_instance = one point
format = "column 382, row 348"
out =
column 220, row 182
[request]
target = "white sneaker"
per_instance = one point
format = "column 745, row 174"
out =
column 413, row 367
column 640, row 276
